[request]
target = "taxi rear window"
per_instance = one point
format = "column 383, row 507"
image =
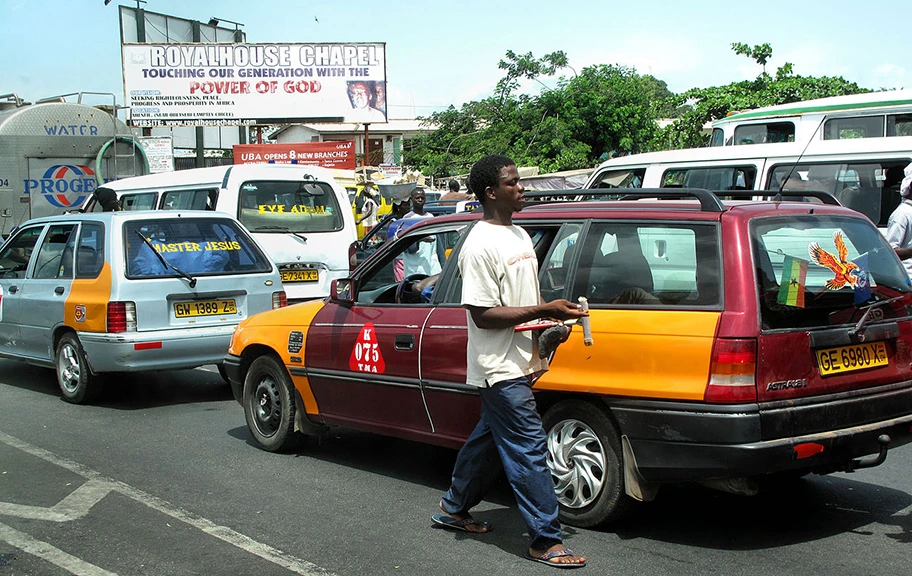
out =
column 819, row 271
column 282, row 206
column 204, row 247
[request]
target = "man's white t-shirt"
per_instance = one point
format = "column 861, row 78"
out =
column 499, row 268
column 899, row 230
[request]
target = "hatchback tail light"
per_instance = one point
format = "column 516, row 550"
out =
column 733, row 372
column 121, row 317
column 279, row 300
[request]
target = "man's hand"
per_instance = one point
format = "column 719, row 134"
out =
column 561, row 309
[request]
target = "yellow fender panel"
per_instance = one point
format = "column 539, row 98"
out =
column 272, row 329
column 86, row 307
column 642, row 353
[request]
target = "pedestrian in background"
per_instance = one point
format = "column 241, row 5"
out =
column 368, row 209
column 454, row 195
column 500, row 290
column 899, row 226
column 107, row 199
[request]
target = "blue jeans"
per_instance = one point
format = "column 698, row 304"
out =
column 509, row 436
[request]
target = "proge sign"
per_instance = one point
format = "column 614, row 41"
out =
column 339, row 155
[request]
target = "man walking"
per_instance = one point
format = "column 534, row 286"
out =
column 899, row 226
column 500, row 291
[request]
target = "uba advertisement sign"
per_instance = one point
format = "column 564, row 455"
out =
column 339, row 155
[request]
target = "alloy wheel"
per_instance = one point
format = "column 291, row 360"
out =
column 576, row 458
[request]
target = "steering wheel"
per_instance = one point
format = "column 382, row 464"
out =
column 404, row 293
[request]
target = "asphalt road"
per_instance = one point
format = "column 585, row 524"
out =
column 161, row 478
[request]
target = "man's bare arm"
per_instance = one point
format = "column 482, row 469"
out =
column 509, row 316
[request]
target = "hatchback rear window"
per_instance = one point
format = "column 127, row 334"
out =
column 288, row 206
column 204, row 247
column 821, row 271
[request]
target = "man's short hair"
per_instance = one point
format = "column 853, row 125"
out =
column 454, row 186
column 486, row 172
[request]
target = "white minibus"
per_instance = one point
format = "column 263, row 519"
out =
column 863, row 174
column 870, row 115
column 298, row 214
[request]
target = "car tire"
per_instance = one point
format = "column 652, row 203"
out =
column 586, row 463
column 269, row 405
column 77, row 382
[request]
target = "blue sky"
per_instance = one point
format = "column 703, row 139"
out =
column 442, row 52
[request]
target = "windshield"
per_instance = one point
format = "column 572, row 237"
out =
column 284, row 206
column 198, row 247
column 820, row 271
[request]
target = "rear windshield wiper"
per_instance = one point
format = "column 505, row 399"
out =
column 167, row 264
column 864, row 317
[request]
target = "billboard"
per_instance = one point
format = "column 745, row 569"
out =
column 340, row 155
column 248, row 84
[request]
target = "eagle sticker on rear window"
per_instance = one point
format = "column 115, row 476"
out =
column 846, row 272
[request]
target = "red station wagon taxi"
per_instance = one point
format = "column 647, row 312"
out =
column 734, row 342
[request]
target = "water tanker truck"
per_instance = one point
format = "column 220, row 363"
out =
column 54, row 153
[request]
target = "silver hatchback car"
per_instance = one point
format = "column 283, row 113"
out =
column 106, row 292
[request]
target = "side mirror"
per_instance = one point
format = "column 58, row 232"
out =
column 353, row 249
column 342, row 291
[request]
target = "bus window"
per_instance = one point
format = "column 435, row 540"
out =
column 714, row 178
column 853, row 127
column 717, row 138
column 765, row 133
column 899, row 125
column 871, row 187
column 626, row 178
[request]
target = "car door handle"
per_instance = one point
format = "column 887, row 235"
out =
column 13, row 289
column 405, row 342
column 59, row 290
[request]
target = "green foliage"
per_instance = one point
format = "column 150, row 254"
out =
column 717, row 102
column 605, row 110
column 761, row 53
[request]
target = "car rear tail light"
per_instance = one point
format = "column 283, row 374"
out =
column 121, row 317
column 732, row 372
column 279, row 300
column 352, row 256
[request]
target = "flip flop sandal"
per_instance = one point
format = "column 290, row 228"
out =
column 444, row 521
column 562, row 553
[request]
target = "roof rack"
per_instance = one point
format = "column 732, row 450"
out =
column 824, row 197
column 709, row 202
column 709, row 199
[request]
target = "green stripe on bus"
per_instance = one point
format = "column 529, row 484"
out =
column 808, row 109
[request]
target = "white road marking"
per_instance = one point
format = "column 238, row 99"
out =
column 76, row 505
column 50, row 554
column 96, row 483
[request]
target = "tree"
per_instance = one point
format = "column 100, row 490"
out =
column 717, row 102
column 761, row 53
column 603, row 110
